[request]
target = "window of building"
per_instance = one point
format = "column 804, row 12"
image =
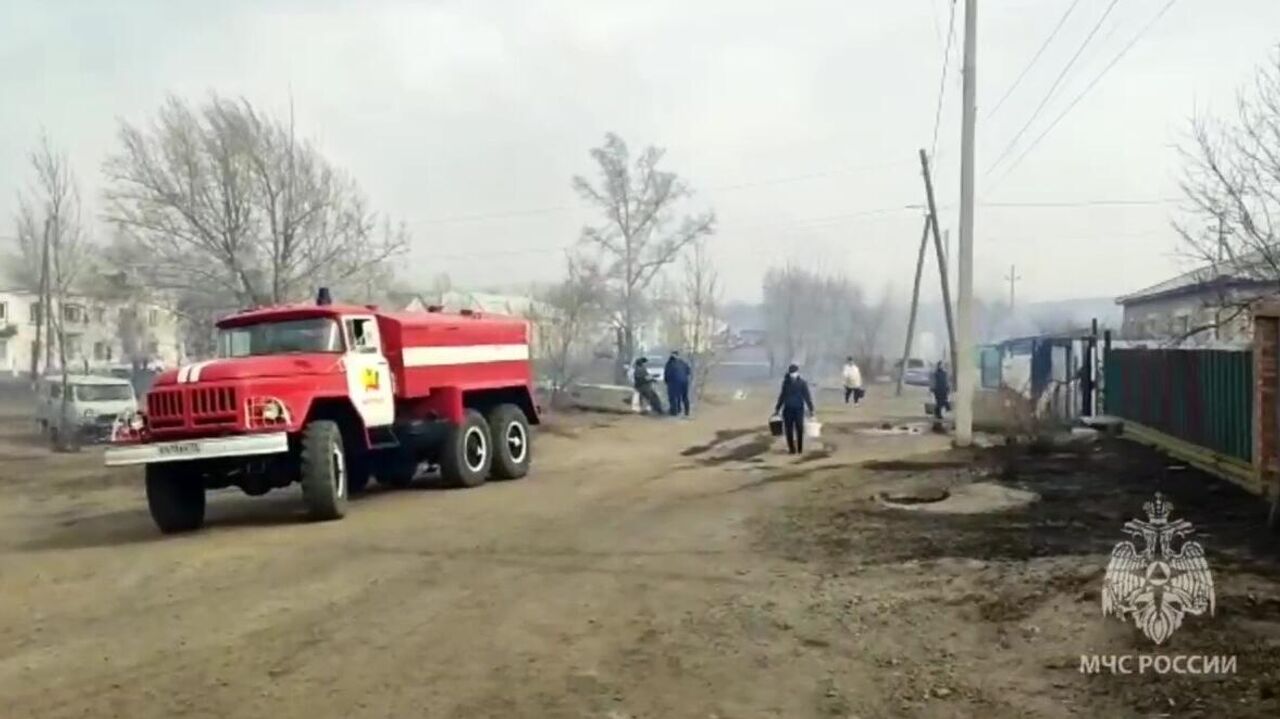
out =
column 34, row 313
column 101, row 351
column 153, row 317
column 4, row 350
column 4, row 311
column 100, row 314
column 73, row 313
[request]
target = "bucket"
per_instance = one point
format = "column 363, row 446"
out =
column 812, row 429
column 775, row 426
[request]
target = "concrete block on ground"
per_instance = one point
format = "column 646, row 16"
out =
column 604, row 398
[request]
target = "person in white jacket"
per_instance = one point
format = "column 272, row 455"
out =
column 852, row 381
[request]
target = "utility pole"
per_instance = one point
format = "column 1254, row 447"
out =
column 1013, row 277
column 942, row 261
column 915, row 300
column 964, row 364
column 946, row 241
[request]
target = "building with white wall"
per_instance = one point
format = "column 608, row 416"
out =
column 100, row 333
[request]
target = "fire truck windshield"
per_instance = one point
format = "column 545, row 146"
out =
column 318, row 334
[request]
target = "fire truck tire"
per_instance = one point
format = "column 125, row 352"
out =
column 325, row 479
column 467, row 454
column 509, row 435
column 176, row 502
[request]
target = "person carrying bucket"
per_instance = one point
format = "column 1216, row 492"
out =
column 793, row 400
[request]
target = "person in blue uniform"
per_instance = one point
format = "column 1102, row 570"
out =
column 793, row 399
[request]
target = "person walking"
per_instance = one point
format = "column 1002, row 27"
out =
column 793, row 400
column 676, row 375
column 852, row 381
column 644, row 385
column 941, row 387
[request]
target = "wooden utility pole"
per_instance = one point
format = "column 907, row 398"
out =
column 964, row 367
column 1012, row 277
column 942, row 260
column 915, row 300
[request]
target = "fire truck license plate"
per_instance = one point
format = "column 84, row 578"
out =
column 179, row 449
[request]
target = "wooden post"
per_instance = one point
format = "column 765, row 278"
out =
column 942, row 261
column 915, row 301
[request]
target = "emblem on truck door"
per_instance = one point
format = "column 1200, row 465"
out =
column 372, row 379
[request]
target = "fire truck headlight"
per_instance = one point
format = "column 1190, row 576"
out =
column 272, row 410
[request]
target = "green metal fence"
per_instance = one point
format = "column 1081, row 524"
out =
column 1200, row 396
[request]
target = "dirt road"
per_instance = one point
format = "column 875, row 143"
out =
column 647, row 569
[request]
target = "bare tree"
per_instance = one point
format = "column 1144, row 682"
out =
column 1231, row 180
column 811, row 318
column 704, row 340
column 785, row 315
column 563, row 318
column 225, row 201
column 640, row 234
column 870, row 330
column 52, row 251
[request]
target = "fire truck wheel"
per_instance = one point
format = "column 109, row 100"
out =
column 468, row 452
column 176, row 502
column 324, row 470
column 509, row 433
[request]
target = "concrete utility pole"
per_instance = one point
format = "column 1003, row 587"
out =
column 964, row 366
column 1013, row 277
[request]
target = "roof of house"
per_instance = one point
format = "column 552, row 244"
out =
column 1251, row 271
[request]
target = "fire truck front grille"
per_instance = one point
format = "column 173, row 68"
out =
column 213, row 406
column 165, row 409
column 187, row 408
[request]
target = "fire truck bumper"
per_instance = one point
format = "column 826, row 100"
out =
column 246, row 445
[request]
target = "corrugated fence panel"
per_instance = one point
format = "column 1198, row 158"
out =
column 1201, row 396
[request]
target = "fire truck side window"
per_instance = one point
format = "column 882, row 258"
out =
column 363, row 334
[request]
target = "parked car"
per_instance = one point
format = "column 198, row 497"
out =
column 917, row 373
column 93, row 405
column 655, row 365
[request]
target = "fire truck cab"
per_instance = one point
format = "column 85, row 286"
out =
column 328, row 396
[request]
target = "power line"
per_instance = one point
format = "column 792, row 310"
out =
column 1085, row 203
column 508, row 214
column 942, row 84
column 1057, row 81
column 1061, row 21
column 826, row 221
column 1145, row 28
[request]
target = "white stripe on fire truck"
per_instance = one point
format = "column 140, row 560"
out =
column 194, row 376
column 183, row 371
column 464, row 354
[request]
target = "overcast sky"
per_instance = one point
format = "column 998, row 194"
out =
column 799, row 122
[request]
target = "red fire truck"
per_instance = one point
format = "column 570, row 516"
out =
column 328, row 395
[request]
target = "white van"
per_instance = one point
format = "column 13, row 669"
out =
column 93, row 404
